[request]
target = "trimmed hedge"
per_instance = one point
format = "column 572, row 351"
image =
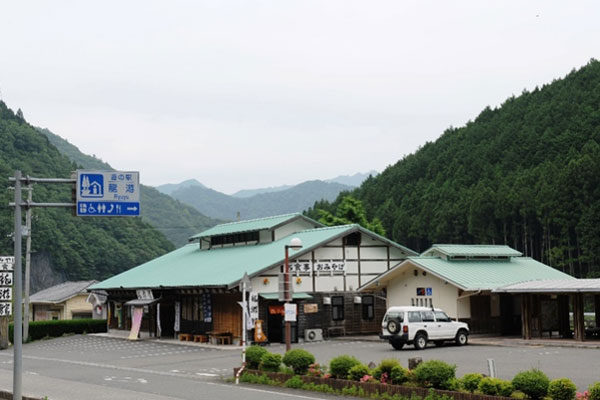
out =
column 534, row 383
column 340, row 366
column 299, row 360
column 254, row 355
column 562, row 389
column 55, row 328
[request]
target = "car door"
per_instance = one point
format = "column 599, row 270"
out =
column 444, row 325
column 430, row 325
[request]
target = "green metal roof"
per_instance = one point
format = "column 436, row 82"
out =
column 189, row 266
column 475, row 250
column 475, row 274
column 252, row 225
column 275, row 296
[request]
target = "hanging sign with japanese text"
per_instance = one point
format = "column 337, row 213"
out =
column 6, row 282
column 317, row 266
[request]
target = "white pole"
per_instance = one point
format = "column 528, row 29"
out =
column 244, row 306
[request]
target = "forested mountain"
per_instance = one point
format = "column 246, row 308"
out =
column 64, row 246
column 219, row 205
column 347, row 180
column 526, row 174
column 169, row 188
column 177, row 221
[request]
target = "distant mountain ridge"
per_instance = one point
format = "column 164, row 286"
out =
column 294, row 199
column 169, row 188
column 177, row 221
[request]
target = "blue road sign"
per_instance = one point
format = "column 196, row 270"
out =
column 108, row 193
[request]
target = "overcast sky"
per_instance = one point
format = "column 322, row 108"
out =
column 246, row 94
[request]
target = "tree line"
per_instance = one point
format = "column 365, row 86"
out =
column 525, row 174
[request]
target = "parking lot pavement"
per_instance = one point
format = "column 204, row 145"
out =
column 167, row 370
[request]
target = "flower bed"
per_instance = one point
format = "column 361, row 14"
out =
column 371, row 388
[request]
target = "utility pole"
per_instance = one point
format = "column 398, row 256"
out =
column 18, row 287
column 27, row 266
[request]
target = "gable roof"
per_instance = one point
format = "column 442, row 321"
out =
column 474, row 250
column 474, row 274
column 189, row 266
column 553, row 286
column 61, row 292
column 253, row 225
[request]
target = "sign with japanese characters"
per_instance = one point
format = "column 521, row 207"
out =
column 317, row 266
column 5, row 309
column 5, row 294
column 253, row 305
column 7, row 263
column 290, row 311
column 108, row 193
column 6, row 278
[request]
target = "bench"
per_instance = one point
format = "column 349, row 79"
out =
column 222, row 339
column 185, row 337
column 200, row 338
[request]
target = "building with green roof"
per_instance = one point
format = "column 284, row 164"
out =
column 461, row 279
column 195, row 289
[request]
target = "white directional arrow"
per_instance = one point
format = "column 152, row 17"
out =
column 134, row 208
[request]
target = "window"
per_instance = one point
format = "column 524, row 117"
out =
column 234, row 238
column 337, row 308
column 427, row 316
column 352, row 239
column 441, row 316
column 368, row 307
column 414, row 316
column 399, row 316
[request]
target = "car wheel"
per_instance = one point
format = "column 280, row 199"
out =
column 439, row 343
column 420, row 341
column 397, row 344
column 462, row 337
column 393, row 327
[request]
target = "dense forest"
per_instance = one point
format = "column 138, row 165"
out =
column 75, row 248
column 525, row 174
column 176, row 220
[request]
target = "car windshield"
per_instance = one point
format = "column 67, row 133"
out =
column 399, row 316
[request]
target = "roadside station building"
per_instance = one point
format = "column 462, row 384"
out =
column 466, row 281
column 195, row 289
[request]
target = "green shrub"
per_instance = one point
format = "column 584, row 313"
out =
column 470, row 382
column 340, row 366
column 55, row 328
column 299, row 360
column 358, row 371
column 295, row 382
column 435, row 373
column 254, row 355
column 385, row 367
column 399, row 375
column 594, row 391
column 534, row 383
column 495, row 387
column 562, row 389
column 270, row 362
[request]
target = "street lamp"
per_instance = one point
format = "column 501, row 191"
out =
column 295, row 244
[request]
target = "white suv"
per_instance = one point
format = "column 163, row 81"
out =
column 419, row 325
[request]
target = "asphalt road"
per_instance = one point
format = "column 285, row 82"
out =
column 95, row 367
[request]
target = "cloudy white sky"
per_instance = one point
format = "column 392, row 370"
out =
column 245, row 94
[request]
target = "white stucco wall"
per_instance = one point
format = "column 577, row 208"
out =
column 403, row 288
column 373, row 261
column 295, row 226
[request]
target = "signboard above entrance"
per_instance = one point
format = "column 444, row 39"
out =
column 108, row 193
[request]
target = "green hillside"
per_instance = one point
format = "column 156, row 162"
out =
column 526, row 174
column 78, row 248
column 177, row 221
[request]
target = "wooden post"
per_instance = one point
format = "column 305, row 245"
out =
column 597, row 309
column 578, row 320
column 564, row 326
column 3, row 333
column 525, row 316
